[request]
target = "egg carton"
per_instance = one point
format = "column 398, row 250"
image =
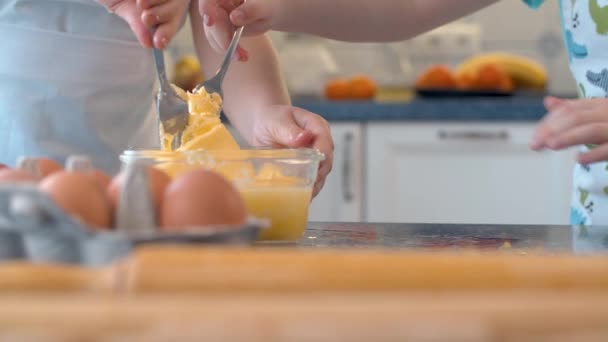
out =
column 34, row 228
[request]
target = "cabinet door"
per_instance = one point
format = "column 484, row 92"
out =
column 465, row 173
column 341, row 197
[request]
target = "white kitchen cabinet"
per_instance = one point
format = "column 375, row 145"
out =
column 341, row 199
column 464, row 173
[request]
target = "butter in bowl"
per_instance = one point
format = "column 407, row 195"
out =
column 276, row 184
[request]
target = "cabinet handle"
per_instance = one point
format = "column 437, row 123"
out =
column 473, row 135
column 347, row 191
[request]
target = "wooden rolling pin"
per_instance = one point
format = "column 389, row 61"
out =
column 192, row 269
column 498, row 316
column 28, row 277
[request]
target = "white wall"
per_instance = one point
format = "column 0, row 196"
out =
column 508, row 26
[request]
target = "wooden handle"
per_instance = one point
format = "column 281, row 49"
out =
column 26, row 277
column 182, row 269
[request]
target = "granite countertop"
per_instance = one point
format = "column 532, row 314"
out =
column 513, row 108
column 568, row 239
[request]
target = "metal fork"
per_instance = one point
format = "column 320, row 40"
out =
column 214, row 84
column 172, row 110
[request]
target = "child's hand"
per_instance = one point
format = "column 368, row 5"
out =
column 141, row 15
column 574, row 122
column 164, row 16
column 292, row 127
column 223, row 16
column 129, row 12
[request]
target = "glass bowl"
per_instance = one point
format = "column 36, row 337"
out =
column 276, row 184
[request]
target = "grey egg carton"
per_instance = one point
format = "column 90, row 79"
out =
column 35, row 229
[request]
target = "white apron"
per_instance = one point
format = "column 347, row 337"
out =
column 73, row 80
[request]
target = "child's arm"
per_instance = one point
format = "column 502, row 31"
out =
column 247, row 86
column 256, row 99
column 347, row 20
column 361, row 20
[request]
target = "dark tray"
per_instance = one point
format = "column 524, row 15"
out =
column 461, row 93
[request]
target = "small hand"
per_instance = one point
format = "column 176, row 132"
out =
column 166, row 16
column 292, row 127
column 223, row 16
column 129, row 12
column 574, row 122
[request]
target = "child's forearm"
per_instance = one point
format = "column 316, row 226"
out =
column 371, row 20
column 248, row 87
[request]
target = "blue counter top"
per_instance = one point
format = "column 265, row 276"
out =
column 513, row 108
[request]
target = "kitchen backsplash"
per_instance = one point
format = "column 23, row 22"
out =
column 507, row 26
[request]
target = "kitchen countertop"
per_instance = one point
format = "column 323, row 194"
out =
column 568, row 239
column 514, row 108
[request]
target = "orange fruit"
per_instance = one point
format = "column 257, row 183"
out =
column 493, row 77
column 337, row 89
column 362, row 87
column 507, row 84
column 437, row 76
column 466, row 81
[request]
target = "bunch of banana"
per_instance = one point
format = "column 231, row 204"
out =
column 525, row 72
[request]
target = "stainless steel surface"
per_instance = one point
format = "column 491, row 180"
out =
column 519, row 238
column 171, row 109
column 214, row 85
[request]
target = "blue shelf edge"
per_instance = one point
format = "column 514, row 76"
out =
column 425, row 109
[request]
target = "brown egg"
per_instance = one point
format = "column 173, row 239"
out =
column 48, row 166
column 199, row 198
column 16, row 176
column 158, row 182
column 80, row 196
column 102, row 179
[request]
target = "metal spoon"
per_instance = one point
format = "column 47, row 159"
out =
column 214, row 84
column 172, row 110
